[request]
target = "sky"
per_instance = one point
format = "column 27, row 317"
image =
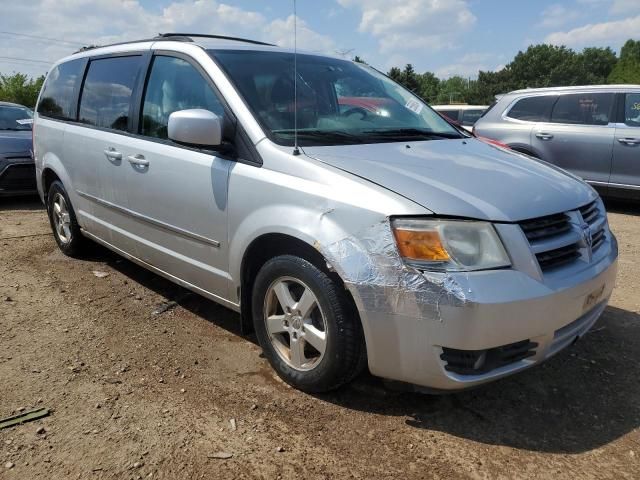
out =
column 447, row 37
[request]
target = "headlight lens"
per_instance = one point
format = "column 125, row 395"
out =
column 454, row 245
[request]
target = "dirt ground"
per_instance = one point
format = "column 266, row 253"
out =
column 135, row 394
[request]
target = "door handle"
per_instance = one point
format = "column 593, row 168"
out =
column 138, row 160
column 629, row 141
column 544, row 136
column 112, row 154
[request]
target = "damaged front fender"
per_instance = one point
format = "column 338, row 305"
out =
column 374, row 272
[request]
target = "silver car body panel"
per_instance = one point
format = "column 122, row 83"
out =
column 593, row 152
column 192, row 216
column 464, row 178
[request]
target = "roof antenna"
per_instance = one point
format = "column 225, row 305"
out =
column 296, row 150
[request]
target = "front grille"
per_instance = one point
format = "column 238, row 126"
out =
column 557, row 240
column 558, row 256
column 18, row 177
column 546, row 227
column 589, row 212
column 477, row 362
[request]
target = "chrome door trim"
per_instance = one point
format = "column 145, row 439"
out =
column 151, row 221
column 615, row 185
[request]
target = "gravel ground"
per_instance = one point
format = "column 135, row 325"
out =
column 138, row 394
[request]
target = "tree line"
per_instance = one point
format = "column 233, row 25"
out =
column 538, row 66
column 19, row 88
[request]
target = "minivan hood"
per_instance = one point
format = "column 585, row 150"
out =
column 12, row 141
column 462, row 178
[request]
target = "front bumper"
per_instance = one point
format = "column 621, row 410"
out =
column 17, row 174
column 405, row 338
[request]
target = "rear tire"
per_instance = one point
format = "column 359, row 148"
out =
column 63, row 221
column 307, row 328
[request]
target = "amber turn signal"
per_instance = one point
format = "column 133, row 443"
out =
column 420, row 245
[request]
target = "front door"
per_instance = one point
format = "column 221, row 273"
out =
column 177, row 194
column 579, row 136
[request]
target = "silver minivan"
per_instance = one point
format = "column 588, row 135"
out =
column 347, row 222
column 591, row 131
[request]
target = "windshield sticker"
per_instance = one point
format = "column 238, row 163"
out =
column 414, row 105
column 26, row 121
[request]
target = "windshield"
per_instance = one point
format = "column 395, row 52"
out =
column 339, row 101
column 15, row 118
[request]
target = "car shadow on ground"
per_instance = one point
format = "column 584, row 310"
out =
column 196, row 304
column 26, row 202
column 626, row 207
column 582, row 399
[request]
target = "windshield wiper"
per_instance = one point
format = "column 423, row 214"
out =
column 328, row 135
column 13, row 129
column 404, row 133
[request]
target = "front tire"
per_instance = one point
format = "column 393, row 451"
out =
column 307, row 328
column 63, row 221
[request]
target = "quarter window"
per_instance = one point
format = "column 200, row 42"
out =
column 107, row 91
column 632, row 109
column 174, row 84
column 533, row 109
column 57, row 96
column 583, row 109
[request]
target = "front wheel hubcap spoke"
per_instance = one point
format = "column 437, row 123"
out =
column 275, row 324
column 316, row 338
column 295, row 323
column 283, row 293
column 296, row 349
column 306, row 304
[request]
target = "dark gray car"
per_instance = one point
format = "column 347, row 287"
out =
column 592, row 131
column 17, row 170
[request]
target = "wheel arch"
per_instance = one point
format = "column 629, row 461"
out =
column 267, row 246
column 526, row 149
column 48, row 177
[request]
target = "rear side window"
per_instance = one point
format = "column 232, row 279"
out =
column 106, row 95
column 470, row 117
column 632, row 109
column 533, row 109
column 450, row 114
column 57, row 98
column 174, row 84
column 583, row 109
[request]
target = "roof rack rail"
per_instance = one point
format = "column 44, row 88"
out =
column 176, row 37
column 186, row 37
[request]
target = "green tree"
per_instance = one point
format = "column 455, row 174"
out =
column 359, row 59
column 489, row 84
column 627, row 70
column 453, row 90
column 406, row 77
column 597, row 64
column 546, row 66
column 429, row 87
column 410, row 79
column 19, row 88
column 395, row 74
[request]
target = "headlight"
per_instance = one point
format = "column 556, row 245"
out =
column 454, row 245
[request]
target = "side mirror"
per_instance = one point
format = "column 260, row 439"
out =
column 195, row 127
